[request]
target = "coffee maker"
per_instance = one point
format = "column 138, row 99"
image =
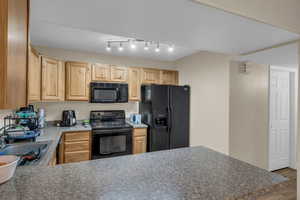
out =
column 68, row 118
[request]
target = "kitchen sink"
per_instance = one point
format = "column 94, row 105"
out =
column 30, row 153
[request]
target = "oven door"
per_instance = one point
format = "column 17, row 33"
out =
column 110, row 143
column 104, row 95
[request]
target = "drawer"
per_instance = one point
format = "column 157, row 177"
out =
column 76, row 156
column 139, row 132
column 77, row 146
column 77, row 136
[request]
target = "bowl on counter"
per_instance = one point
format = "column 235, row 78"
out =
column 8, row 166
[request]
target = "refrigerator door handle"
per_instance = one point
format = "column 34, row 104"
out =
column 170, row 119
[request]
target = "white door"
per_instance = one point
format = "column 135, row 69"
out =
column 279, row 119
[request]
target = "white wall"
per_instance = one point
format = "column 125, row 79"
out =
column 208, row 75
column 249, row 114
column 298, row 130
column 281, row 13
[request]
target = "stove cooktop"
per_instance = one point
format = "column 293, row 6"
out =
column 109, row 125
column 108, row 119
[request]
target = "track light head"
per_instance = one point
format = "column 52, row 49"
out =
column 157, row 49
column 171, row 49
column 108, row 47
column 146, row 47
column 133, row 45
column 121, row 48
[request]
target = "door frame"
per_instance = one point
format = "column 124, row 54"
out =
column 293, row 114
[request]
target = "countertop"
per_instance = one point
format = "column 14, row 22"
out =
column 134, row 125
column 186, row 173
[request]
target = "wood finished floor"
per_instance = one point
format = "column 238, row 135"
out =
column 286, row 193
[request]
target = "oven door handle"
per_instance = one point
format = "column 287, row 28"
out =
column 116, row 131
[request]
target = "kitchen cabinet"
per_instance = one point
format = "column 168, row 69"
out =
column 150, row 76
column 134, row 83
column 34, row 75
column 118, row 73
column 101, row 72
column 13, row 53
column 139, row 140
column 75, row 147
column 53, row 79
column 168, row 77
column 78, row 77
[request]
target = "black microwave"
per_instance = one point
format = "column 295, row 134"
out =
column 108, row 93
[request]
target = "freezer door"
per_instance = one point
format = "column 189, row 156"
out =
column 179, row 116
column 159, row 139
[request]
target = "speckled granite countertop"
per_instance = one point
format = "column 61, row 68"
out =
column 136, row 125
column 187, row 173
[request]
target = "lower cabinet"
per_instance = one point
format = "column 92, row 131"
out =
column 139, row 140
column 75, row 147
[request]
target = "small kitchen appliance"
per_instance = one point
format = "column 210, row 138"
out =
column 68, row 118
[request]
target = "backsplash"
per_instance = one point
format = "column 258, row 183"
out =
column 82, row 109
column 54, row 109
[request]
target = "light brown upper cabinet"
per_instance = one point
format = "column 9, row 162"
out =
column 134, row 83
column 53, row 79
column 100, row 72
column 150, row 76
column 118, row 73
column 13, row 53
column 78, row 77
column 34, row 76
column 168, row 77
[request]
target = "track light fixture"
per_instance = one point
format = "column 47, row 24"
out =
column 135, row 43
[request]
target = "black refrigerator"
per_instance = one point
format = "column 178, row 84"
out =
column 166, row 111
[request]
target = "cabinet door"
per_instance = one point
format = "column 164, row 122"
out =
column 134, row 83
column 118, row 73
column 34, row 76
column 78, row 81
column 53, row 74
column 100, row 72
column 150, row 76
column 139, row 144
column 169, row 77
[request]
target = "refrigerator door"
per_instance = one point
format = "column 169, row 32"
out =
column 179, row 116
column 159, row 135
column 159, row 139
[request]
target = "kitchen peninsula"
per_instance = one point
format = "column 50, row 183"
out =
column 187, row 173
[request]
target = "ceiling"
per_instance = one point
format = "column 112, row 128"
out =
column 285, row 56
column 190, row 27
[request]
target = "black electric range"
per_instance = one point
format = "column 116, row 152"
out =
column 111, row 135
